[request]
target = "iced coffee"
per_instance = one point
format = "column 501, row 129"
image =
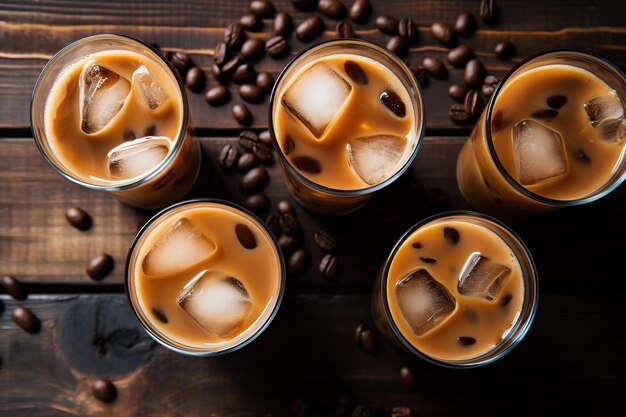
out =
column 205, row 277
column 458, row 290
column 110, row 114
column 346, row 117
column 552, row 136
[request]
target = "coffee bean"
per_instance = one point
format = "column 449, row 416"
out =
column 242, row 114
column 288, row 224
column 283, row 25
column 581, row 156
column 557, row 101
column 458, row 114
column 459, row 56
column 247, row 139
column 489, row 11
column 360, row 11
column 443, row 33
column 357, row 333
column 507, row 299
column 435, row 67
column 408, row 378
column 78, row 218
column 505, row 50
column 489, row 85
column 160, row 315
column 25, row 319
column 234, row 36
column 251, row 93
column 474, row 72
column 393, row 102
column 474, row 103
column 417, row 245
column 251, row 22
column 195, row 79
column 266, row 139
column 253, row 49
column 277, row 46
column 181, row 61
column 304, row 5
column 355, row 72
column 262, row 152
column 408, row 29
column 451, row 235
column 284, row 206
column 254, row 181
column 245, row 235
column 421, row 75
column 332, row 8
column 361, row 411
column 457, row 92
column 13, row 287
column 325, row 240
column 398, row 45
column 104, row 390
column 258, row 203
column 466, row 340
column 288, row 244
column 465, row 24
column 310, row 28
column 220, row 53
column 100, row 266
column 369, row 341
column 307, row 164
column 288, row 146
column 298, row 262
column 428, row 260
column 265, row 81
column 244, row 74
column 272, row 224
column 217, row 95
column 262, row 8
column 328, row 266
column 545, row 114
column 228, row 156
column 219, row 75
column 387, row 24
column 232, row 65
column 344, row 30
column 246, row 162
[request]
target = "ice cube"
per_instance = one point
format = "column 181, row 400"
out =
column 102, row 93
column 424, row 302
column 182, row 247
column 316, row 97
column 136, row 157
column 217, row 302
column 538, row 153
column 375, row 158
column 606, row 107
column 150, row 91
column 481, row 277
column 613, row 130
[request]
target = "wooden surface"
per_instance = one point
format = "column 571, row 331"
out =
column 571, row 362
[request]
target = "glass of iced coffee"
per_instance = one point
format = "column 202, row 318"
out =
column 110, row 113
column 459, row 289
column 205, row 277
column 347, row 119
column 553, row 135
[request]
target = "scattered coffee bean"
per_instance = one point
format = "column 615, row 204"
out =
column 246, row 162
column 398, row 45
column 507, row 299
column 417, row 245
column 242, row 114
column 408, row 378
column 344, row 30
column 283, row 25
column 474, row 73
column 457, row 92
column 387, row 24
column 232, row 65
column 251, row 93
column 104, row 390
column 289, row 146
column 489, row 85
column 254, row 181
column 244, row 74
column 307, row 164
column 401, row 412
column 325, row 240
column 160, row 315
column 217, row 95
column 458, row 114
column 262, row 152
column 369, row 341
column 466, row 340
column 435, row 67
column 245, row 235
column 489, row 11
column 253, row 49
column 328, row 266
column 25, row 319
column 265, row 81
column 219, row 75
column 220, row 53
column 266, row 139
column 545, row 114
column 474, row 103
column 228, row 156
column 310, row 28
column 360, row 11
column 361, row 411
column 443, row 33
column 298, row 262
column 289, row 244
column 505, row 50
column 234, row 36
column 277, row 46
column 195, row 79
column 421, row 75
column 581, row 156
column 288, row 224
column 100, row 266
column 251, row 22
column 332, row 8
column 393, row 102
column 557, row 101
column 78, row 218
column 262, row 8
column 465, row 24
column 258, row 203
column 13, row 287
column 460, row 55
column 272, row 224
column 284, row 206
column 357, row 333
column 247, row 139
column 408, row 29
column 181, row 61
column 304, row 5
column 355, row 72
column 428, row 260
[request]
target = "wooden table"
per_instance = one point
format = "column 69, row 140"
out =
column 571, row 361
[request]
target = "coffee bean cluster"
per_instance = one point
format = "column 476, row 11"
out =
column 343, row 405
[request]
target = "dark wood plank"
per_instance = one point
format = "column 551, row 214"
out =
column 32, row 32
column 571, row 362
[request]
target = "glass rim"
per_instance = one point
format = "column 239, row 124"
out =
column 156, row 336
column 494, row 156
column 154, row 171
column 420, row 113
column 486, row 357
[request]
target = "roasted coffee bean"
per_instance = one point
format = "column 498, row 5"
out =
column 220, row 53
column 355, row 72
column 244, row 74
column 361, row 411
column 254, row 181
column 507, row 299
column 288, row 224
column 232, row 65
column 428, row 260
column 408, row 29
column 217, row 95
column 460, row 55
column 393, row 102
column 474, row 103
column 228, row 156
column 417, row 245
column 344, row 30
column 251, row 93
column 307, row 164
column 465, row 24
column 457, row 92
column 357, row 333
column 289, row 244
column 451, row 235
column 387, row 24
column 581, row 156
column 160, row 315
column 557, row 101
column 328, row 266
column 100, row 266
column 545, row 114
column 253, row 49
column 262, row 8
column 489, row 85
column 245, row 236
column 266, row 139
column 332, row 8
column 369, row 341
column 272, row 224
column 219, row 75
column 78, row 218
column 247, row 139
column 262, row 152
column 195, row 79
column 251, row 22
column 246, row 162
column 242, row 114
column 443, row 33
column 304, row 5
column 283, row 25
column 150, row 130
column 466, row 340
column 325, row 240
column 435, row 67
column 181, row 61
column 265, row 81
column 398, row 45
column 285, row 206
column 343, row 406
column 505, row 50
column 489, row 11
column 458, row 114
column 25, row 319
column 289, row 145
column 474, row 72
column 360, row 11
column 310, row 28
column 104, row 390
column 277, row 46
column 13, row 287
column 298, row 262
column 421, row 75
column 408, row 378
column 234, row 36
